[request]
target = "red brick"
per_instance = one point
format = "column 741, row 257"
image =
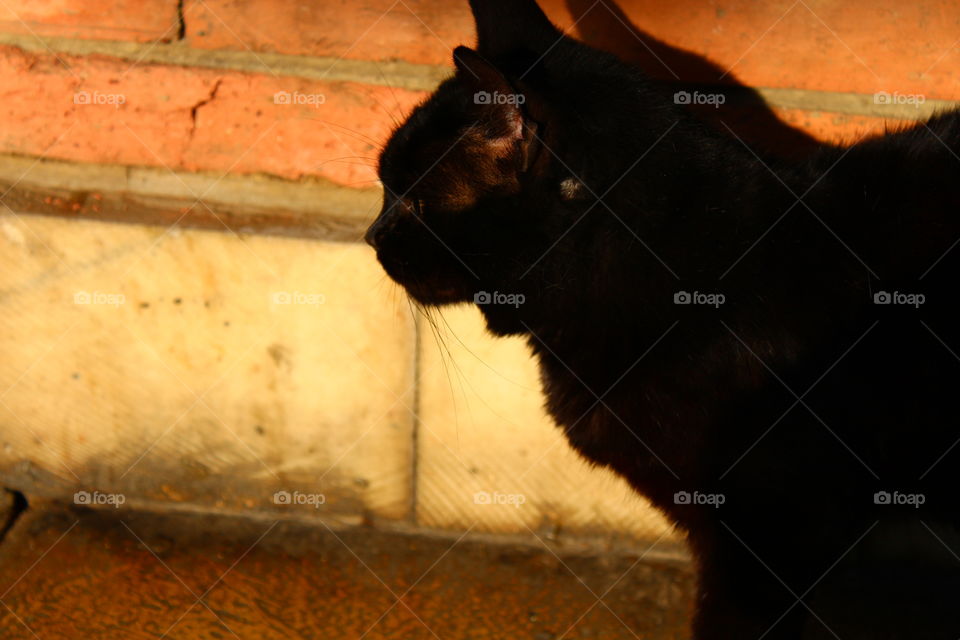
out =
column 339, row 139
column 209, row 120
column 134, row 20
column 422, row 31
column 192, row 119
column 861, row 46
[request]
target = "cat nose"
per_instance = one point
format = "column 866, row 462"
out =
column 379, row 229
column 393, row 209
column 370, row 237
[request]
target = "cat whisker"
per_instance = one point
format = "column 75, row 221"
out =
column 481, row 360
column 345, row 161
column 393, row 94
column 352, row 184
column 448, row 361
column 356, row 134
column 368, row 158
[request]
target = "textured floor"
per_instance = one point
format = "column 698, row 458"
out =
column 68, row 574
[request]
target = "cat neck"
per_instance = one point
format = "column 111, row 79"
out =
column 700, row 254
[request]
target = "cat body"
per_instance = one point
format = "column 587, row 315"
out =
column 763, row 348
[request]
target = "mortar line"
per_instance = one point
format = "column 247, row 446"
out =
column 415, row 426
column 258, row 204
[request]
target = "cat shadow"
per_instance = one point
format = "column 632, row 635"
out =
column 605, row 26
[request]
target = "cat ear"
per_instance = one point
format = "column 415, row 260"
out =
column 497, row 106
column 495, row 101
column 509, row 25
column 474, row 70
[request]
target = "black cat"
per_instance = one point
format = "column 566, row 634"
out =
column 764, row 348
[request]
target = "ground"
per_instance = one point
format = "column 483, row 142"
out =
column 69, row 573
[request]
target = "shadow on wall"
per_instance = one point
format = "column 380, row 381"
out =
column 605, row 26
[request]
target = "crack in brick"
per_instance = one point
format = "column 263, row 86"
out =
column 17, row 505
column 205, row 101
column 181, row 22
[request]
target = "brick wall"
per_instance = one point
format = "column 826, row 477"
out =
column 235, row 142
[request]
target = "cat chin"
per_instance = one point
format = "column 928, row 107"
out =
column 432, row 295
column 502, row 322
column 437, row 298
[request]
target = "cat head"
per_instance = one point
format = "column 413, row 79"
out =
column 485, row 177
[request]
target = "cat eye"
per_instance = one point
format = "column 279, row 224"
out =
column 404, row 205
column 418, row 207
